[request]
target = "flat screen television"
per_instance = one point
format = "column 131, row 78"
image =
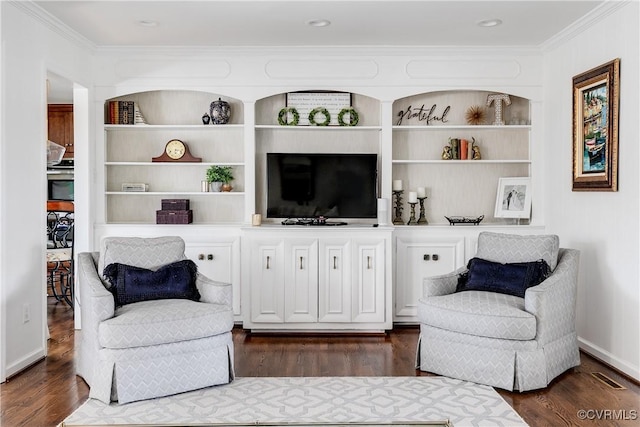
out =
column 336, row 185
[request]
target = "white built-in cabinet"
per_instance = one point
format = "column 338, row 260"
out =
column 317, row 279
column 218, row 259
column 354, row 277
column 419, row 256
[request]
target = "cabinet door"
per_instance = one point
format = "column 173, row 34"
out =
column 416, row 260
column 60, row 126
column 368, row 281
column 267, row 282
column 219, row 261
column 301, row 281
column 334, row 287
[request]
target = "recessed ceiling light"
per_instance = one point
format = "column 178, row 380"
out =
column 319, row 23
column 489, row 22
column 147, row 23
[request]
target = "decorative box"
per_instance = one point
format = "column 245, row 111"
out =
column 174, row 217
column 175, row 204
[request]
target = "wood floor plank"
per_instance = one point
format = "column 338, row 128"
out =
column 49, row 391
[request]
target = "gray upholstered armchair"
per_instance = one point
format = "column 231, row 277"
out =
column 154, row 347
column 497, row 339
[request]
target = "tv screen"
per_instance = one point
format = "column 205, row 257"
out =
column 61, row 189
column 301, row 185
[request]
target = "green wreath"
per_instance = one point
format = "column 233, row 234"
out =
column 322, row 110
column 283, row 115
column 353, row 117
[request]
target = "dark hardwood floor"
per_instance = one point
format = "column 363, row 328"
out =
column 46, row 393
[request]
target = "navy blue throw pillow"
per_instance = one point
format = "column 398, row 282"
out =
column 510, row 279
column 131, row 284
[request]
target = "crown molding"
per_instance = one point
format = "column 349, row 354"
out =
column 581, row 25
column 54, row 24
column 325, row 51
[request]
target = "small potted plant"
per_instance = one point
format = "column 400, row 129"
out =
column 220, row 177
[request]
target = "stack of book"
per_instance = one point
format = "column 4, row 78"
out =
column 121, row 112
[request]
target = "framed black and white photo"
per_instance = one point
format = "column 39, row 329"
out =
column 514, row 198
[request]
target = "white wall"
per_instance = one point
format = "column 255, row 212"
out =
column 29, row 48
column 603, row 225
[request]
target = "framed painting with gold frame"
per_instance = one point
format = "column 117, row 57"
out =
column 596, row 100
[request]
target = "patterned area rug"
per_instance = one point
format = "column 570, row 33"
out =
column 317, row 401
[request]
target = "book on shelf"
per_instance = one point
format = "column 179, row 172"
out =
column 121, row 113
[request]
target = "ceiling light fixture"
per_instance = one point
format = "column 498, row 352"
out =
column 489, row 22
column 147, row 23
column 319, row 23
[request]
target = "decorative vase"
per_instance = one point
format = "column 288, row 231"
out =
column 220, row 112
column 215, row 186
column 226, row 188
column 205, row 119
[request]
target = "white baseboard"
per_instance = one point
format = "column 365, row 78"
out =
column 24, row 363
column 600, row 353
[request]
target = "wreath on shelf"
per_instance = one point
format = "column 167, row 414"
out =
column 323, row 111
column 353, row 117
column 283, row 117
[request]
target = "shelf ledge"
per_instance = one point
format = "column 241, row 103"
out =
column 449, row 127
column 165, row 127
column 173, row 163
column 466, row 162
column 176, row 193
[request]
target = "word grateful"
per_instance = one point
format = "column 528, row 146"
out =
column 423, row 115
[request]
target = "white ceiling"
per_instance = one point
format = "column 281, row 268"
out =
column 210, row 23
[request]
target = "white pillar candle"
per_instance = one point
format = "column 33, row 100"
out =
column 422, row 192
column 397, row 185
column 413, row 197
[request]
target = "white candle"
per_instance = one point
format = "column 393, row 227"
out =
column 413, row 197
column 397, row 185
column 422, row 192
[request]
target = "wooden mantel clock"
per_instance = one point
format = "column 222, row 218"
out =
column 176, row 151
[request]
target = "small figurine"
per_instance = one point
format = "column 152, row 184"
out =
column 476, row 150
column 446, row 153
column 206, row 119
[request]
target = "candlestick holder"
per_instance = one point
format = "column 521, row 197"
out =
column 397, row 195
column 412, row 218
column 422, row 220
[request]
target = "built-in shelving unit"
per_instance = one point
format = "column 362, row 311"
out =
column 173, row 115
column 271, row 137
column 458, row 187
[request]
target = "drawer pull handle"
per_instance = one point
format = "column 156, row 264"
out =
column 268, row 259
column 368, row 262
column 335, row 260
column 301, row 268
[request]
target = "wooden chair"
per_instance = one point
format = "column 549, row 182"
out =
column 60, row 226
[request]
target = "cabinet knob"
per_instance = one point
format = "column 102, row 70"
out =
column 426, row 257
column 435, row 257
column 201, row 257
column 210, row 257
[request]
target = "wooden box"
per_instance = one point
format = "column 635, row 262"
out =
column 175, row 204
column 174, row 217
